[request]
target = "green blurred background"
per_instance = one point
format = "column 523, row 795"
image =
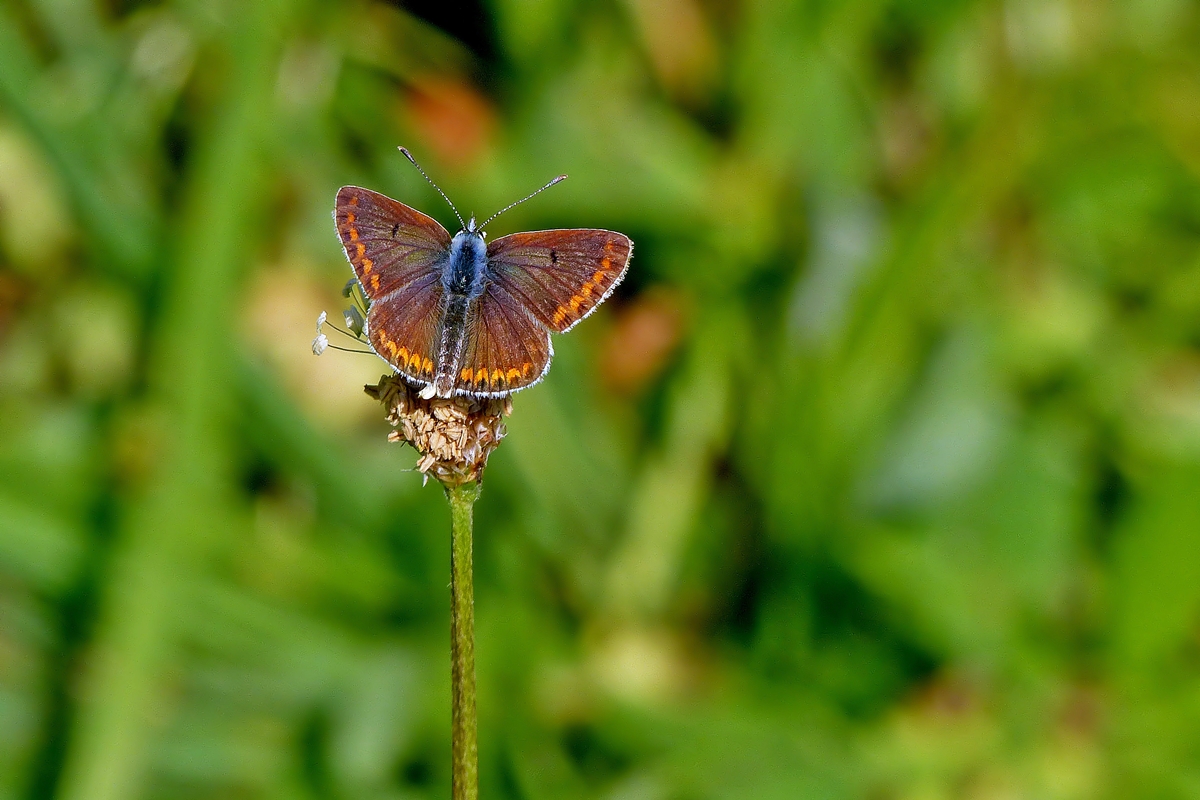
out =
column 878, row 478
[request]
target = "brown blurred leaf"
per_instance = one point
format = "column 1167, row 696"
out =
column 907, row 138
column 639, row 345
column 452, row 118
column 11, row 293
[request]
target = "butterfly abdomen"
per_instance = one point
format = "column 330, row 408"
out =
column 455, row 313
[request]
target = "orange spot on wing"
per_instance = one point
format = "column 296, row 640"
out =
column 598, row 278
column 513, row 374
column 497, row 375
column 349, row 217
column 526, row 369
column 560, row 315
column 375, row 282
column 354, row 200
column 362, row 248
column 586, row 291
column 353, row 233
column 414, row 363
column 367, row 265
column 575, row 302
column 388, row 343
column 606, row 262
column 467, row 374
column 427, row 366
column 402, row 356
column 608, row 246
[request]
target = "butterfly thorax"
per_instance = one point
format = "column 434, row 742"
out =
column 467, row 266
column 463, row 282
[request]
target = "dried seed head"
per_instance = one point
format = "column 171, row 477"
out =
column 454, row 435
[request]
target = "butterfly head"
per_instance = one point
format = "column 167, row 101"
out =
column 469, row 240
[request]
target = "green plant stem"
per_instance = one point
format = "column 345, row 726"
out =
column 464, row 746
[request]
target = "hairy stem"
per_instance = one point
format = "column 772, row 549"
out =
column 464, row 735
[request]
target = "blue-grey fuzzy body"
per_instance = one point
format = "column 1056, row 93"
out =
column 463, row 283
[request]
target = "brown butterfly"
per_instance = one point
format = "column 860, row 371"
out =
column 463, row 316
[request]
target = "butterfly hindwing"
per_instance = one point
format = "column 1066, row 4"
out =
column 505, row 348
column 559, row 276
column 389, row 244
column 403, row 327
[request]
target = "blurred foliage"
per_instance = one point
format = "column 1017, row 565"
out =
column 878, row 478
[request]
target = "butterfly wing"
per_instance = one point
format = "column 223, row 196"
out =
column 403, row 328
column 389, row 244
column 560, row 276
column 506, row 349
column 398, row 255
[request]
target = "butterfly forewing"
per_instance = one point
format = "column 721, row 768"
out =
column 559, row 276
column 389, row 244
column 505, row 349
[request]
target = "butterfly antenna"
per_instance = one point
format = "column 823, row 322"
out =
column 559, row 179
column 408, row 155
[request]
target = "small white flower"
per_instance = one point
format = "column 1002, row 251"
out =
column 321, row 320
column 320, row 343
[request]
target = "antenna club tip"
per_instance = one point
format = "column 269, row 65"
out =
column 560, row 178
column 407, row 154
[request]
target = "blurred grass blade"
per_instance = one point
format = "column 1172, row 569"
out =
column 125, row 228
column 37, row 547
column 167, row 535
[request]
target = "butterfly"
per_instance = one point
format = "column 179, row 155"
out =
column 459, row 315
